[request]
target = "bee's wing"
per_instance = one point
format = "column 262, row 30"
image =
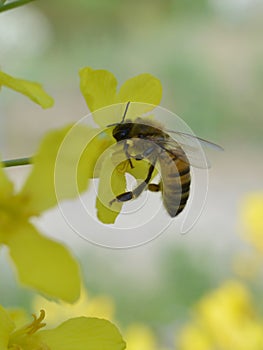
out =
column 186, row 138
column 192, row 146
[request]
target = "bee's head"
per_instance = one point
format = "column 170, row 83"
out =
column 122, row 131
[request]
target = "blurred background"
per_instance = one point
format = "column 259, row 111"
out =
column 208, row 55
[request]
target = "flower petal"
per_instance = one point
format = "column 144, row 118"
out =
column 6, row 186
column 62, row 166
column 83, row 333
column 110, row 114
column 252, row 219
column 6, row 327
column 6, row 191
column 101, row 306
column 112, row 182
column 31, row 89
column 19, row 316
column 143, row 88
column 99, row 90
column 88, row 161
column 98, row 87
column 140, row 169
column 44, row 264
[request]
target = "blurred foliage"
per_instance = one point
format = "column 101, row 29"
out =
column 193, row 87
column 209, row 60
column 184, row 278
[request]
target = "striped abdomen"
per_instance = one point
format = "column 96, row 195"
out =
column 175, row 182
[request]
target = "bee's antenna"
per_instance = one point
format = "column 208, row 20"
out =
column 125, row 112
column 123, row 117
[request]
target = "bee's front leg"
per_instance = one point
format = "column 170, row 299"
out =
column 139, row 156
column 145, row 154
column 125, row 148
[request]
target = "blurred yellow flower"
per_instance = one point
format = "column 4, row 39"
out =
column 42, row 263
column 225, row 319
column 80, row 333
column 28, row 88
column 140, row 337
column 252, row 220
column 101, row 306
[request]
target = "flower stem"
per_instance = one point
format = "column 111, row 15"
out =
column 16, row 162
column 14, row 4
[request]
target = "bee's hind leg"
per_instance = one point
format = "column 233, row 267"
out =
column 155, row 187
column 126, row 196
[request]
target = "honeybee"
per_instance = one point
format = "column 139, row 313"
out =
column 147, row 139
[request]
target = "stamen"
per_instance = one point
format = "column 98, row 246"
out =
column 37, row 323
column 28, row 329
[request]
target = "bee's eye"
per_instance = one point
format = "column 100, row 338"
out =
column 121, row 134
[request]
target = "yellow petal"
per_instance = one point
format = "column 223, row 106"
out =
column 99, row 90
column 190, row 335
column 99, row 306
column 6, row 191
column 98, row 87
column 6, row 186
column 83, row 333
column 252, row 219
column 44, row 264
column 31, row 89
column 19, row 316
column 60, row 167
column 6, row 327
column 143, row 88
column 97, row 143
column 140, row 170
column 112, row 182
column 110, row 114
column 114, row 113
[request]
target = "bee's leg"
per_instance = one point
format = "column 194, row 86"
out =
column 145, row 154
column 126, row 196
column 125, row 148
column 155, row 187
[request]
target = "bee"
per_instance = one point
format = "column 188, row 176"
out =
column 147, row 139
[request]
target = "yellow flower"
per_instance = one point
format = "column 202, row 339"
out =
column 42, row 263
column 28, row 88
column 225, row 319
column 100, row 306
column 99, row 88
column 80, row 333
column 252, row 220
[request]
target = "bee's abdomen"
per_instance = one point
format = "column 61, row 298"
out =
column 176, row 182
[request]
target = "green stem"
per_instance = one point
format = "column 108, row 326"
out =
column 16, row 162
column 14, row 4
